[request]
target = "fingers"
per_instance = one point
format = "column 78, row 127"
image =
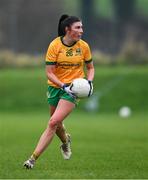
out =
column 68, row 91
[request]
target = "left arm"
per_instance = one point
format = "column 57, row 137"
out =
column 90, row 71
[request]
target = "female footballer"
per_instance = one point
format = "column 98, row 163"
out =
column 65, row 60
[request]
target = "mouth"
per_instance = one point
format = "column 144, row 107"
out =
column 79, row 36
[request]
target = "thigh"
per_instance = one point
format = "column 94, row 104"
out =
column 63, row 109
column 52, row 109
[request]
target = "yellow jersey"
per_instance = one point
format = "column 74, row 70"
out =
column 69, row 60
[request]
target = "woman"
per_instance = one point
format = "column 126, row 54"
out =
column 65, row 60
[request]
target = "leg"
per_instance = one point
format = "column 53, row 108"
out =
column 60, row 131
column 64, row 137
column 62, row 111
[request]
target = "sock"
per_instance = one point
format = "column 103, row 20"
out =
column 34, row 156
column 66, row 139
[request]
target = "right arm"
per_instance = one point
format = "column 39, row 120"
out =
column 50, row 73
column 51, row 57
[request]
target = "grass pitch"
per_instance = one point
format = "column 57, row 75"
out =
column 104, row 146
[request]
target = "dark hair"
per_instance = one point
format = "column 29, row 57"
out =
column 66, row 21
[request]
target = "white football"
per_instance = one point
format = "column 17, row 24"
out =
column 81, row 88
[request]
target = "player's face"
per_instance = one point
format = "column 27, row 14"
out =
column 75, row 31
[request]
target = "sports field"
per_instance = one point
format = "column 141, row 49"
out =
column 104, row 145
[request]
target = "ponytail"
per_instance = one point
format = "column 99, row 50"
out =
column 66, row 21
column 61, row 31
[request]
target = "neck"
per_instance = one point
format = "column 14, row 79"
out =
column 68, row 41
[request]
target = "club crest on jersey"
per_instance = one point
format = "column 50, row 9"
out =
column 70, row 52
column 78, row 52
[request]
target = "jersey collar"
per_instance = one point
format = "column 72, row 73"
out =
column 61, row 37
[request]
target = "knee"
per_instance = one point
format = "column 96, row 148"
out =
column 53, row 123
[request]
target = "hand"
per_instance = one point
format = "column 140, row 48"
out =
column 91, row 88
column 67, row 89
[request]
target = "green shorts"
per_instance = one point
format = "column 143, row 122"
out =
column 55, row 94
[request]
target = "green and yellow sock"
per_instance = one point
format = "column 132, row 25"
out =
column 34, row 156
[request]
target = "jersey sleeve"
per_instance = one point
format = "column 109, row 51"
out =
column 87, row 54
column 51, row 55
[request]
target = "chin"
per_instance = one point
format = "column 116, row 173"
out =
column 77, row 39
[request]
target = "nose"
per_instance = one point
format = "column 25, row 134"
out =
column 81, row 30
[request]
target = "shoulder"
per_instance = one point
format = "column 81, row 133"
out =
column 83, row 43
column 55, row 45
column 55, row 42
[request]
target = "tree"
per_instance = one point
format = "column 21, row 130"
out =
column 124, row 10
column 88, row 16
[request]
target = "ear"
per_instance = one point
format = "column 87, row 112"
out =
column 66, row 29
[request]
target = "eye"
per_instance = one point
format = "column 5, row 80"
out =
column 79, row 27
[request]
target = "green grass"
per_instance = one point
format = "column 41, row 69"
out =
column 122, row 86
column 22, row 89
column 104, row 146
